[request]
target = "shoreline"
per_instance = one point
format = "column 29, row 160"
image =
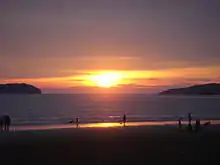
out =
column 16, row 128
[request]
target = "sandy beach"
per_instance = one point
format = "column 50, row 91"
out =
column 129, row 145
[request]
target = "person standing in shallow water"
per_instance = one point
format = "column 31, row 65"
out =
column 77, row 122
column 190, row 121
column 124, row 120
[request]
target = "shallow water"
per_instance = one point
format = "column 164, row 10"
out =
column 60, row 109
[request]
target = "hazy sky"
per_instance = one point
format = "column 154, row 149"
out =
column 46, row 40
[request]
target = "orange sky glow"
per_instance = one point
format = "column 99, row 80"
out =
column 64, row 46
column 120, row 78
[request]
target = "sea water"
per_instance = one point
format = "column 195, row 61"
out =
column 49, row 109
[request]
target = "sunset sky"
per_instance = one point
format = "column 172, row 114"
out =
column 145, row 45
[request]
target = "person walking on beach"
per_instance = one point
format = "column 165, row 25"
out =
column 190, row 121
column 6, row 122
column 77, row 122
column 124, row 119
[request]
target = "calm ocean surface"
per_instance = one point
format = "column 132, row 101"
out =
column 60, row 109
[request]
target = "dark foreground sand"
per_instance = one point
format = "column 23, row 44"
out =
column 141, row 145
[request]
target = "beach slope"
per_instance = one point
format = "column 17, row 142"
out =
column 105, row 146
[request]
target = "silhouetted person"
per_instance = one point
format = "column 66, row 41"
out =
column 124, row 119
column 190, row 121
column 6, row 120
column 180, row 123
column 1, row 124
column 198, row 125
column 77, row 122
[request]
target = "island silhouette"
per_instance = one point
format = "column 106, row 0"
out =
column 202, row 89
column 19, row 88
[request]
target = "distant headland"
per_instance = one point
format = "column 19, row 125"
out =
column 204, row 89
column 21, row 88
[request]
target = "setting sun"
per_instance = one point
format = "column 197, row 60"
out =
column 106, row 79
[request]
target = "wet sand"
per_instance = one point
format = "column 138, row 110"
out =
column 104, row 125
column 130, row 145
